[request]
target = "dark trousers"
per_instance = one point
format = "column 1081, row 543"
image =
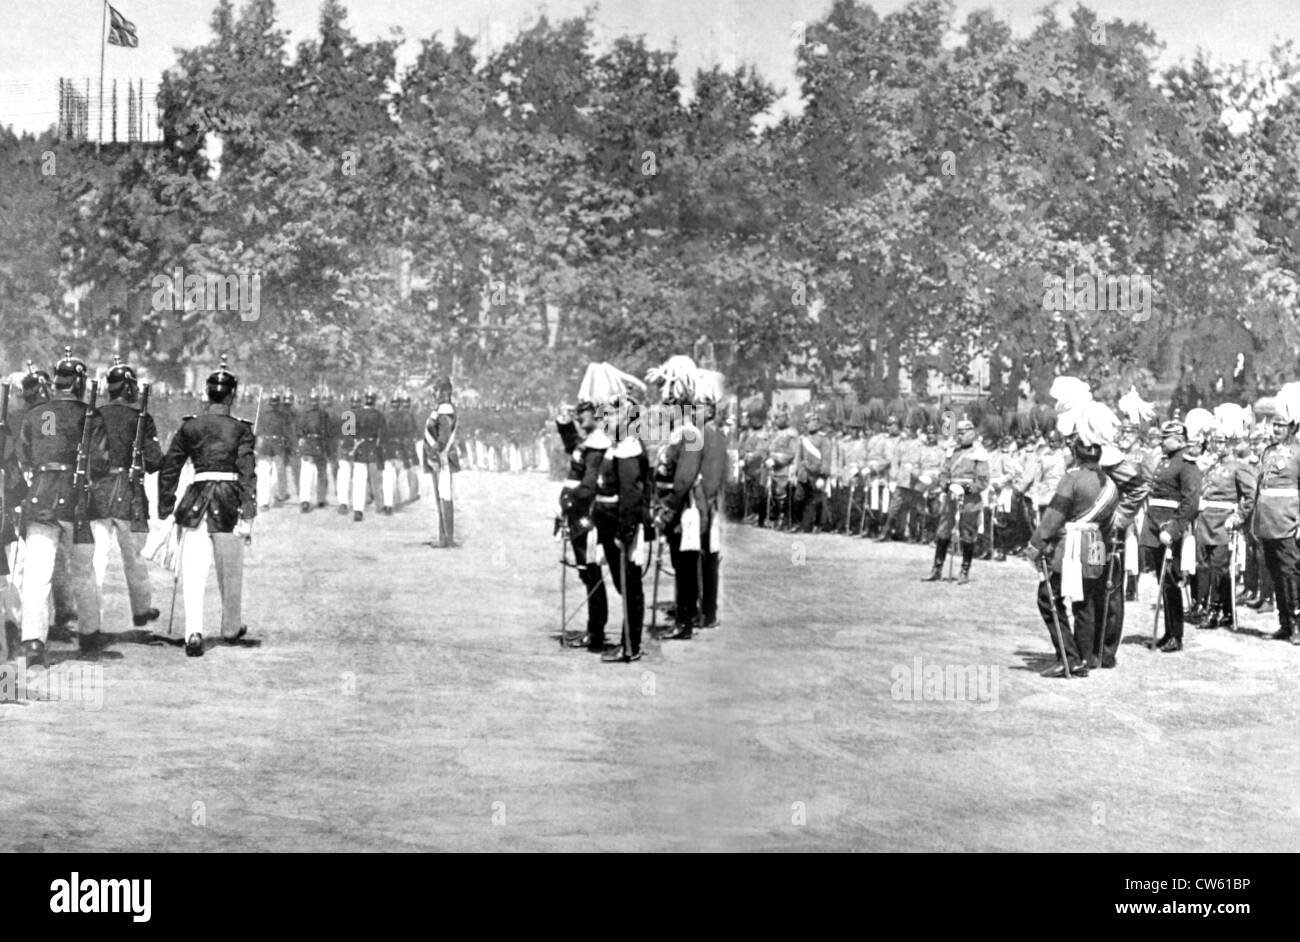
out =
column 687, row 579
column 1152, row 560
column 903, row 504
column 1213, row 581
column 1081, row 638
column 632, row 591
column 811, row 501
column 1282, row 559
column 597, row 603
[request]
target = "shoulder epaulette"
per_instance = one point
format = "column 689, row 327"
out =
column 186, row 418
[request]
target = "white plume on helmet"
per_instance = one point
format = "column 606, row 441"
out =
column 1287, row 402
column 604, row 384
column 1071, row 394
column 1232, row 420
column 1135, row 408
column 709, row 387
column 677, row 377
column 1098, row 426
column 1199, row 423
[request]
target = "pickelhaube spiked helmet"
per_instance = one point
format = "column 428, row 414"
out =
column 119, row 374
column 69, row 366
column 222, row 380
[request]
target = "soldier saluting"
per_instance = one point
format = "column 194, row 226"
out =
column 50, row 444
column 216, row 513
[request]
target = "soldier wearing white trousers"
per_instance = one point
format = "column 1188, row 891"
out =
column 216, row 512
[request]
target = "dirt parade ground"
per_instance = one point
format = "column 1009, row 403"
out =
column 407, row 698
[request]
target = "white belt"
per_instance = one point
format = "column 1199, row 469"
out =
column 572, row 482
column 607, row 498
column 1279, row 492
column 1161, row 502
column 205, row 476
column 1218, row 504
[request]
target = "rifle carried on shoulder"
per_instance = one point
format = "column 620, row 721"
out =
column 81, row 532
column 135, row 480
column 4, row 476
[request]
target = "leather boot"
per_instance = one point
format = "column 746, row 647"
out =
column 940, row 552
column 967, row 553
column 1130, row 588
column 449, row 523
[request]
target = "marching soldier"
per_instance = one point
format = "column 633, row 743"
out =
column 123, row 507
column 412, row 441
column 49, row 441
column 1227, row 498
column 812, row 464
column 585, row 442
column 315, row 429
column 11, row 499
column 347, row 448
column 1276, row 518
column 441, row 461
column 217, row 510
column 394, row 448
column 367, row 454
column 1171, row 511
column 780, row 458
column 272, row 439
column 965, row 476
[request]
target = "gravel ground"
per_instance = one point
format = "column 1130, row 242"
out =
column 406, row 698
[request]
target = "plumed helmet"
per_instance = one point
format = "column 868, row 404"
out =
column 677, row 378
column 222, row 382
column 1198, row 423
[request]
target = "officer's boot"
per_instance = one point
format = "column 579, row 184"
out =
column 1130, row 587
column 1286, row 625
column 1293, row 593
column 940, row 552
column 967, row 553
column 448, row 523
column 885, row 529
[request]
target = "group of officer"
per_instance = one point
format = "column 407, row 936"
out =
column 72, row 486
column 629, row 494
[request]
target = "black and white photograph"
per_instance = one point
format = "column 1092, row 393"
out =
column 651, row 426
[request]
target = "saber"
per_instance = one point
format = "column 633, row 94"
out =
column 622, row 569
column 1100, row 645
column 1232, row 579
column 248, row 537
column 1160, row 598
column 564, row 576
column 654, row 593
column 956, row 527
column 1056, row 624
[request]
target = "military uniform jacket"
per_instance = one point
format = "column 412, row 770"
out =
column 368, row 426
column 585, row 456
column 784, row 445
column 691, row 470
column 315, row 430
column 113, row 493
column 623, row 491
column 276, row 433
column 968, row 466
column 440, row 436
column 1042, row 474
column 931, row 467
column 907, row 463
column 1084, row 491
column 1277, row 492
column 880, row 449
column 15, row 485
column 47, row 450
column 753, row 447
column 1174, row 499
column 1227, row 489
column 218, row 443
column 813, row 459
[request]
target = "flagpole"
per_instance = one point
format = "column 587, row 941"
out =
column 103, row 22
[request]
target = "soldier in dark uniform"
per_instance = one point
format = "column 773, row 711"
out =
column 621, row 514
column 812, row 472
column 394, row 447
column 1227, row 498
column 217, row 510
column 965, row 476
column 1275, row 520
column 412, row 438
column 752, row 448
column 272, row 434
column 1171, row 511
column 585, row 443
column 48, row 444
column 14, row 490
column 315, row 431
column 346, row 436
column 442, row 460
column 121, row 504
column 367, row 454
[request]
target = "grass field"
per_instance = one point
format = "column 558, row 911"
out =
column 406, row 698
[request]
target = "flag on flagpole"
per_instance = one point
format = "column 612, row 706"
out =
column 121, row 31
